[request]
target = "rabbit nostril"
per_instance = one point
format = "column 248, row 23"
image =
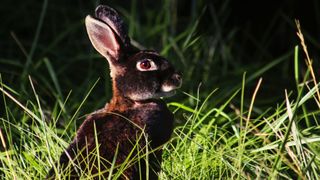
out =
column 177, row 77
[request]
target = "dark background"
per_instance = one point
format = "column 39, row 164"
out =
column 262, row 31
column 251, row 17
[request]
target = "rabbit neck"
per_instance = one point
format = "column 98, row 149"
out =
column 120, row 104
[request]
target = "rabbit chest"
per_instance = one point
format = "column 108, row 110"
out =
column 153, row 118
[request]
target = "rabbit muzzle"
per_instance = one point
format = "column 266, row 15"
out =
column 172, row 83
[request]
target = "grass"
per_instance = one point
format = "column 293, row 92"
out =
column 234, row 120
column 242, row 147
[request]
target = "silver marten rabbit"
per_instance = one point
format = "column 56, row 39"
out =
column 135, row 119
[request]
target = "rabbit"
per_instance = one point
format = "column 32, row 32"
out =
column 136, row 120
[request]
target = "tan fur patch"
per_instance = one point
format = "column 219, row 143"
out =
column 116, row 71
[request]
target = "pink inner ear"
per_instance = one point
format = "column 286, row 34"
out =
column 110, row 43
column 103, row 38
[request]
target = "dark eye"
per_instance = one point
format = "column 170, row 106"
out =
column 145, row 64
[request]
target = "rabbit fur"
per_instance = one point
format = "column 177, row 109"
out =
column 135, row 121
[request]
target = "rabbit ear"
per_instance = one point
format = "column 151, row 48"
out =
column 103, row 38
column 112, row 18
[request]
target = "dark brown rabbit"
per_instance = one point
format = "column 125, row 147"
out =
column 136, row 120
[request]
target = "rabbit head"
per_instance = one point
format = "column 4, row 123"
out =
column 137, row 74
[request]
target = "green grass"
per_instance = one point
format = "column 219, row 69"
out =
column 234, row 120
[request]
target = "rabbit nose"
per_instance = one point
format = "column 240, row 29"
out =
column 177, row 77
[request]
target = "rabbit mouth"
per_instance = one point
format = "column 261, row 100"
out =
column 167, row 90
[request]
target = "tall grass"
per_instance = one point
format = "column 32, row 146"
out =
column 218, row 145
column 231, row 122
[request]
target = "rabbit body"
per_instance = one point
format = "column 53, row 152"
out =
column 136, row 120
column 116, row 134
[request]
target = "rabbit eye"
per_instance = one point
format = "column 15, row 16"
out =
column 146, row 65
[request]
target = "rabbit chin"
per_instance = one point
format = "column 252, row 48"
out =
column 142, row 96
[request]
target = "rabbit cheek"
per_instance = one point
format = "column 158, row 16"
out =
column 144, row 91
column 137, row 88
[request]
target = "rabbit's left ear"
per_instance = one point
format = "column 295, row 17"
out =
column 104, row 39
column 112, row 18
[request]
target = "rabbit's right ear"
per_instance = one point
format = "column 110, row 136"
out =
column 103, row 38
